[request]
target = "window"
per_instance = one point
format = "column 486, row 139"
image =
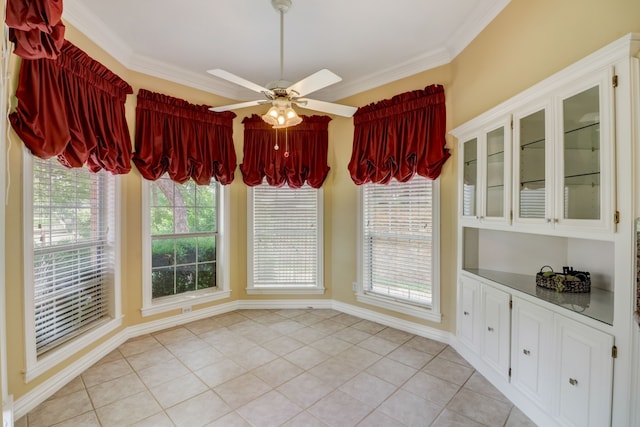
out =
column 399, row 247
column 285, row 250
column 71, row 287
column 182, row 224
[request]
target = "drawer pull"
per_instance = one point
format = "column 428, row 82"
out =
column 526, row 352
column 490, row 329
column 573, row 381
column 466, row 313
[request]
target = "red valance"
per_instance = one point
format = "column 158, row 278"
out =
column 302, row 153
column 35, row 27
column 400, row 137
column 73, row 108
column 184, row 140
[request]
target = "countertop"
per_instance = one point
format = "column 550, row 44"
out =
column 597, row 304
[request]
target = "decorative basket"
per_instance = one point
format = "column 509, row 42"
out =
column 569, row 280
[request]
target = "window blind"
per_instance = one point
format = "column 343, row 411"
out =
column 285, row 236
column 72, row 255
column 397, row 240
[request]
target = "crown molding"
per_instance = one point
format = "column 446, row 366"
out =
column 86, row 22
column 475, row 23
column 408, row 68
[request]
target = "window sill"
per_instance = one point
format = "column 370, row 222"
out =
column 183, row 301
column 67, row 350
column 399, row 306
column 285, row 291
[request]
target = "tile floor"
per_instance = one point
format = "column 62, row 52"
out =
column 290, row 368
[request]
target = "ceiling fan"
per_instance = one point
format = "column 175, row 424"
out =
column 281, row 94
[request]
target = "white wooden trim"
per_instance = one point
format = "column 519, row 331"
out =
column 36, row 366
column 184, row 301
column 291, row 290
column 432, row 313
column 394, row 322
column 318, row 289
column 41, row 392
column 4, row 75
column 187, row 300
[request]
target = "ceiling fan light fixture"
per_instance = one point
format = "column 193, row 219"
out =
column 281, row 115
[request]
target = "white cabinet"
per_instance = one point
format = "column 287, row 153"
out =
column 563, row 158
column 484, row 322
column 585, row 374
column 532, row 353
column 496, row 329
column 486, row 174
column 469, row 312
column 562, row 365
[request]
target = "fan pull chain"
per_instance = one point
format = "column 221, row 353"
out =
column 286, row 142
column 275, row 147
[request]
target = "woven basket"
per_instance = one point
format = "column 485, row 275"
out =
column 569, row 280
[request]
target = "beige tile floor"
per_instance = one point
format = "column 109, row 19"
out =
column 289, row 368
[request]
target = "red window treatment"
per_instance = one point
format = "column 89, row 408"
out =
column 73, row 108
column 35, row 27
column 400, row 137
column 302, row 153
column 183, row 140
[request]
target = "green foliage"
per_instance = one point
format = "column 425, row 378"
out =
column 182, row 265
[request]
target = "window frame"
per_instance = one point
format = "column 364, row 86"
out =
column 431, row 313
column 319, row 288
column 36, row 366
column 186, row 300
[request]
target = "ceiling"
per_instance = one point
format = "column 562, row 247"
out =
column 367, row 42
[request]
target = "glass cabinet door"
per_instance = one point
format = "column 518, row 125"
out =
column 532, row 179
column 495, row 174
column 581, row 155
column 470, row 178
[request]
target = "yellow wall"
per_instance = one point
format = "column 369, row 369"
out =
column 527, row 42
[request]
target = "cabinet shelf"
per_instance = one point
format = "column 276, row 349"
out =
column 589, row 178
column 532, row 181
column 539, row 143
column 594, row 126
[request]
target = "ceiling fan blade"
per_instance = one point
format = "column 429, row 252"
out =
column 314, row 82
column 238, row 106
column 238, row 80
column 326, row 107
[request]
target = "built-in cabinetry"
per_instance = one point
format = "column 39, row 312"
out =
column 486, row 169
column 562, row 143
column 546, row 178
column 563, row 365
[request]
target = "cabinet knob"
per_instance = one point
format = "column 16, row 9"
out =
column 466, row 313
column 573, row 381
column 555, row 220
column 526, row 352
column 548, row 220
column 490, row 329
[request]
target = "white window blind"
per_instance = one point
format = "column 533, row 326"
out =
column 184, row 231
column 72, row 251
column 397, row 240
column 285, row 232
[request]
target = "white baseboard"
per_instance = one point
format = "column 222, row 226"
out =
column 285, row 303
column 7, row 412
column 394, row 322
column 40, row 393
